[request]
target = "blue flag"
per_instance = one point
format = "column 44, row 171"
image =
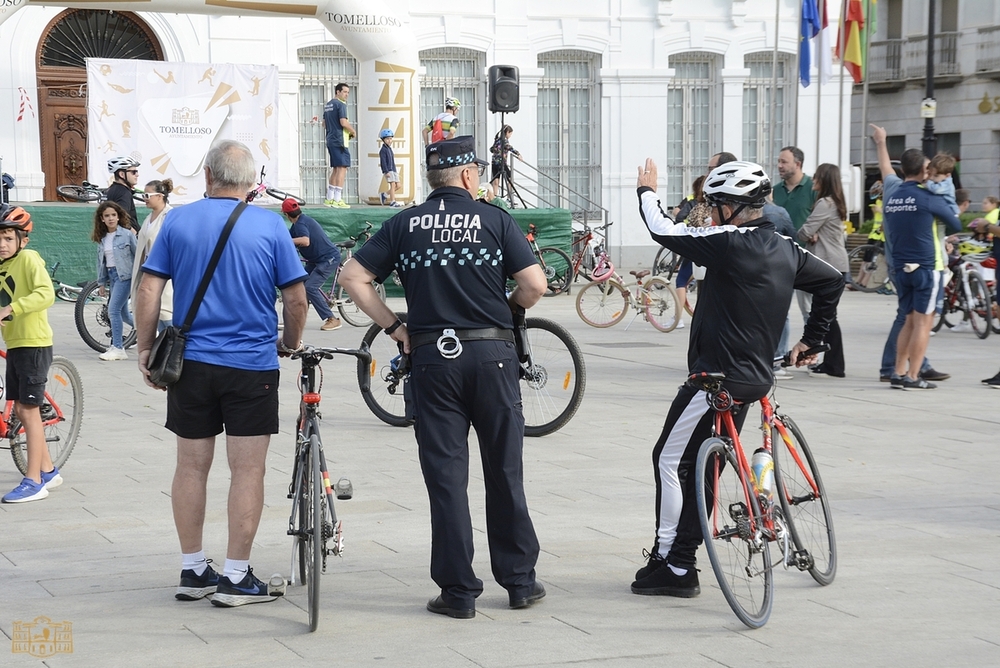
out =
column 810, row 28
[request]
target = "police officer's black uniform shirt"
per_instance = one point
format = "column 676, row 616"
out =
column 453, row 255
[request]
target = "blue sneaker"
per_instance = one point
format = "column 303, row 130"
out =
column 384, row 198
column 28, row 490
column 248, row 590
column 194, row 587
column 52, row 479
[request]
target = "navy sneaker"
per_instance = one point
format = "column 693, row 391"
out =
column 28, row 490
column 918, row 384
column 51, row 479
column 195, row 587
column 896, row 382
column 248, row 590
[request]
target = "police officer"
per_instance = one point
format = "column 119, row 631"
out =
column 454, row 255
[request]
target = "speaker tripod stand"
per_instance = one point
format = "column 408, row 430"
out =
column 505, row 188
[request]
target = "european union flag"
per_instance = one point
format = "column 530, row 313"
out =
column 810, row 28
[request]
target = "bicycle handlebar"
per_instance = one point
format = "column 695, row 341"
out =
column 805, row 354
column 317, row 354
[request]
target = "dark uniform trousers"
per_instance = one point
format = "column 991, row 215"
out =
column 480, row 387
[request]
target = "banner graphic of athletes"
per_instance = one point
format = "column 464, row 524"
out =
column 167, row 115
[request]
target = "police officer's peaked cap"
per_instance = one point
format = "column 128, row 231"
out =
column 453, row 153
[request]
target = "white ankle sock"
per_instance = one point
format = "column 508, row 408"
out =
column 236, row 569
column 678, row 571
column 338, row 194
column 194, row 562
column 329, row 192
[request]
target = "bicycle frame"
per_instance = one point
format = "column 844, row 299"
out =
column 8, row 419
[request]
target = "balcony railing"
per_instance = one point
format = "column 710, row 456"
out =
column 885, row 61
column 988, row 53
column 945, row 56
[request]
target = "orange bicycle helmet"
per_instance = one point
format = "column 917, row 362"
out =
column 16, row 217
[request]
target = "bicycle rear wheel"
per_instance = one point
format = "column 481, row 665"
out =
column 314, row 533
column 731, row 526
column 350, row 312
column 871, row 274
column 94, row 323
column 282, row 195
column 804, row 502
column 384, row 396
column 981, row 307
column 558, row 270
column 691, row 296
column 663, row 308
column 78, row 193
column 663, row 264
column 602, row 303
column 62, row 414
column 552, row 386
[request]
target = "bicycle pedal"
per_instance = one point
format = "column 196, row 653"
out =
column 344, row 489
column 276, row 585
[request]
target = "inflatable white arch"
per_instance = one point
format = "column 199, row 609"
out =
column 380, row 39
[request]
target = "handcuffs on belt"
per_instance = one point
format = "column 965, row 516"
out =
column 449, row 345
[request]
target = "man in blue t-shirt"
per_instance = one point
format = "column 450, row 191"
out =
column 230, row 375
column 321, row 255
column 909, row 210
column 339, row 132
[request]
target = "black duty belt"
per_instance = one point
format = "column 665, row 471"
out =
column 487, row 334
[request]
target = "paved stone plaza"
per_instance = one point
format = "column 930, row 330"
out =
column 912, row 476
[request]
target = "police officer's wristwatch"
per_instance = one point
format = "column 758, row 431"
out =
column 393, row 327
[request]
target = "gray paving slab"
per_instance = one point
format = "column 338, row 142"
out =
column 913, row 478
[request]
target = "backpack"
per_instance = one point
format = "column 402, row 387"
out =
column 437, row 132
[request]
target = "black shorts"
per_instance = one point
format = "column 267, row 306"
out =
column 209, row 397
column 27, row 371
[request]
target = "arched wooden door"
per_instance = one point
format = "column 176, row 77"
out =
column 70, row 38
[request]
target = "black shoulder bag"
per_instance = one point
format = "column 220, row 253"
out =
column 166, row 357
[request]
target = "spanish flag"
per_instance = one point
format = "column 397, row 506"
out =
column 853, row 39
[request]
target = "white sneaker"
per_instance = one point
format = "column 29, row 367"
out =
column 680, row 325
column 113, row 354
column 964, row 326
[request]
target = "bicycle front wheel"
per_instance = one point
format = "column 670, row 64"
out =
column 62, row 414
column 804, row 502
column 78, row 193
column 869, row 271
column 282, row 195
column 558, row 270
column 664, row 262
column 384, row 396
column 731, row 526
column 350, row 312
column 552, row 385
column 663, row 308
column 980, row 308
column 602, row 303
column 93, row 321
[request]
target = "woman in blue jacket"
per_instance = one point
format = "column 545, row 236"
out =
column 115, row 256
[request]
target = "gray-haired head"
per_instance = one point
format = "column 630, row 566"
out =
column 232, row 165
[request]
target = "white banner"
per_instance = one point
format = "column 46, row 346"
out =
column 166, row 115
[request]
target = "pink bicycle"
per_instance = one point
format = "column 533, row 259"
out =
column 262, row 188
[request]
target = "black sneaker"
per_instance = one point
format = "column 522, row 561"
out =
column 918, row 384
column 664, row 582
column 995, row 380
column 248, row 590
column 934, row 375
column 195, row 587
column 654, row 561
column 896, row 382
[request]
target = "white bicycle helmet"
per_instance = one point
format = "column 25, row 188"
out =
column 738, row 183
column 121, row 162
column 452, row 103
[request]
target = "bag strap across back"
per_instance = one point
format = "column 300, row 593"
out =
column 212, row 264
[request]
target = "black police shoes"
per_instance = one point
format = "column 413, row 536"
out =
column 536, row 594
column 439, row 607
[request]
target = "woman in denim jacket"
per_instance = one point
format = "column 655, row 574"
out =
column 115, row 257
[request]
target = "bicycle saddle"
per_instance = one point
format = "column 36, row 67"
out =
column 704, row 380
column 347, row 244
column 641, row 274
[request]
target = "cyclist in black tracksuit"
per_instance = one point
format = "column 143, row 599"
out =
column 742, row 303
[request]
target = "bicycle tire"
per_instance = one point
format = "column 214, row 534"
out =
column 663, row 306
column 872, row 275
column 314, row 536
column 664, row 262
column 811, row 526
column 350, row 312
column 558, row 270
column 62, row 415
column 388, row 406
column 277, row 193
column 93, row 322
column 78, row 193
column 602, row 303
column 980, row 308
column 552, row 388
column 300, row 476
column 691, row 296
column 741, row 560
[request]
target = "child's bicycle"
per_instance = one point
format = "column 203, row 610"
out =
column 64, row 291
column 746, row 504
column 62, row 413
column 335, row 295
column 263, row 188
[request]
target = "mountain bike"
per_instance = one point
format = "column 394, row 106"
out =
column 603, row 303
column 555, row 263
column 64, row 291
column 263, row 188
column 869, row 270
column 553, row 377
column 336, row 297
column 313, row 523
column 93, row 321
column 89, row 192
column 967, row 298
column 746, row 504
column 62, row 414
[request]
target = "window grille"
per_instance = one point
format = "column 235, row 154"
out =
column 757, row 109
column 458, row 73
column 693, row 121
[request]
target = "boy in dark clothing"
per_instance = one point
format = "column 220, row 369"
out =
column 387, row 161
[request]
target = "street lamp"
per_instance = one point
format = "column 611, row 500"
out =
column 928, row 109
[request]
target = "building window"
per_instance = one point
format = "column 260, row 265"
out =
column 458, row 73
column 757, row 108
column 79, row 34
column 895, row 145
column 326, row 65
column 569, row 130
column 694, row 125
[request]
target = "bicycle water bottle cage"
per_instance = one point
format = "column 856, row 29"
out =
column 449, row 345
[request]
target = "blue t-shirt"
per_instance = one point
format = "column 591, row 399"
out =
column 320, row 248
column 909, row 211
column 453, row 255
column 386, row 159
column 333, row 111
column 236, row 324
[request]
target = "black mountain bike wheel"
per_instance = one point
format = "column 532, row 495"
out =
column 868, row 275
column 303, row 506
column 62, row 414
column 314, row 537
column 94, row 323
column 282, row 195
column 384, row 401
column 558, row 270
column 805, row 504
column 78, row 193
column 664, row 263
column 350, row 312
column 740, row 556
column 552, row 387
column 981, row 308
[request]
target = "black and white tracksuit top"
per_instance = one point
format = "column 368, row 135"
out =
column 742, row 303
